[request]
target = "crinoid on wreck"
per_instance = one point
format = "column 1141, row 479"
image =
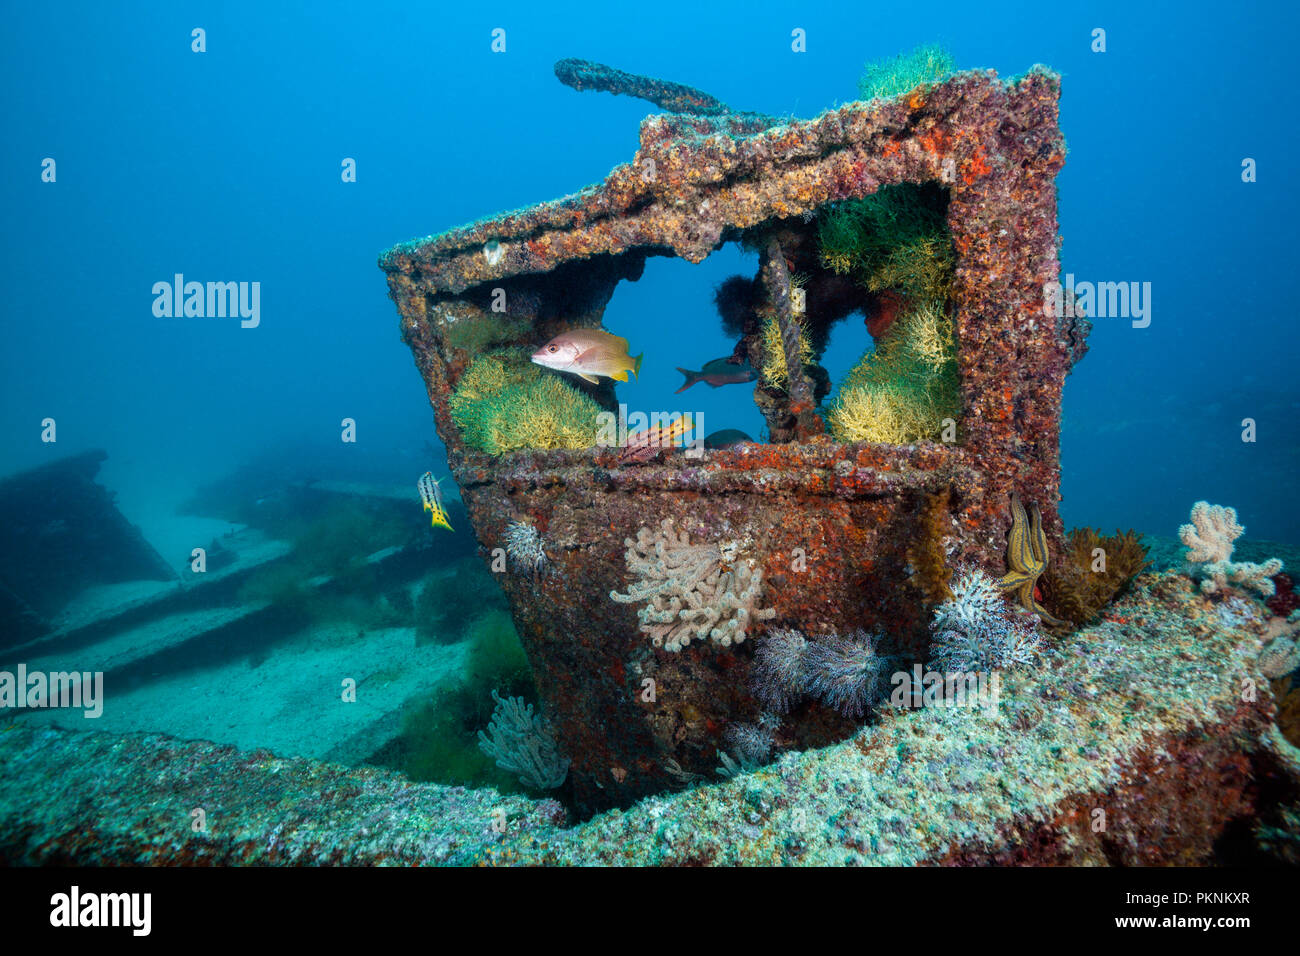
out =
column 931, row 215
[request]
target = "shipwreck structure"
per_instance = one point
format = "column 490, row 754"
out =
column 840, row 535
column 60, row 534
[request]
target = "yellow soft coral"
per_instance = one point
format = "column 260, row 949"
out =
column 922, row 268
column 503, row 402
column 897, row 238
column 929, row 339
column 903, row 390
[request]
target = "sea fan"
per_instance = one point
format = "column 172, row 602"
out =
column 845, row 672
column 524, row 545
column 977, row 631
column 975, row 599
column 1001, row 644
column 778, row 676
column 521, row 743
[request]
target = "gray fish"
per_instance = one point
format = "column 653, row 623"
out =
column 719, row 372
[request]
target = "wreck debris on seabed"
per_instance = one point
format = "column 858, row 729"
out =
column 45, row 514
column 836, row 535
column 1141, row 716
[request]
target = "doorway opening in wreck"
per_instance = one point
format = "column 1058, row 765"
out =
column 839, row 321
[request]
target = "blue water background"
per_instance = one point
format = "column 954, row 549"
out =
column 226, row 166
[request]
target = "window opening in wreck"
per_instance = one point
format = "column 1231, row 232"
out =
column 672, row 313
column 847, row 343
column 755, row 318
column 886, row 261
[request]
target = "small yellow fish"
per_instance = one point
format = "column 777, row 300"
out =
column 588, row 353
column 432, row 498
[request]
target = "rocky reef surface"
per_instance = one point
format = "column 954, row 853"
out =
column 1145, row 739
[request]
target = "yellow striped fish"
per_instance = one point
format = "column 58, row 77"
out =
column 432, row 499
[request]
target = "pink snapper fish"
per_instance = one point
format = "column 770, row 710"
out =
column 588, row 353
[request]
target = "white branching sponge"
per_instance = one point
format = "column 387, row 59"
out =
column 1209, row 539
column 692, row 591
column 521, row 743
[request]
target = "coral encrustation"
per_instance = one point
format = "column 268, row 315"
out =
column 692, row 591
column 1209, row 539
